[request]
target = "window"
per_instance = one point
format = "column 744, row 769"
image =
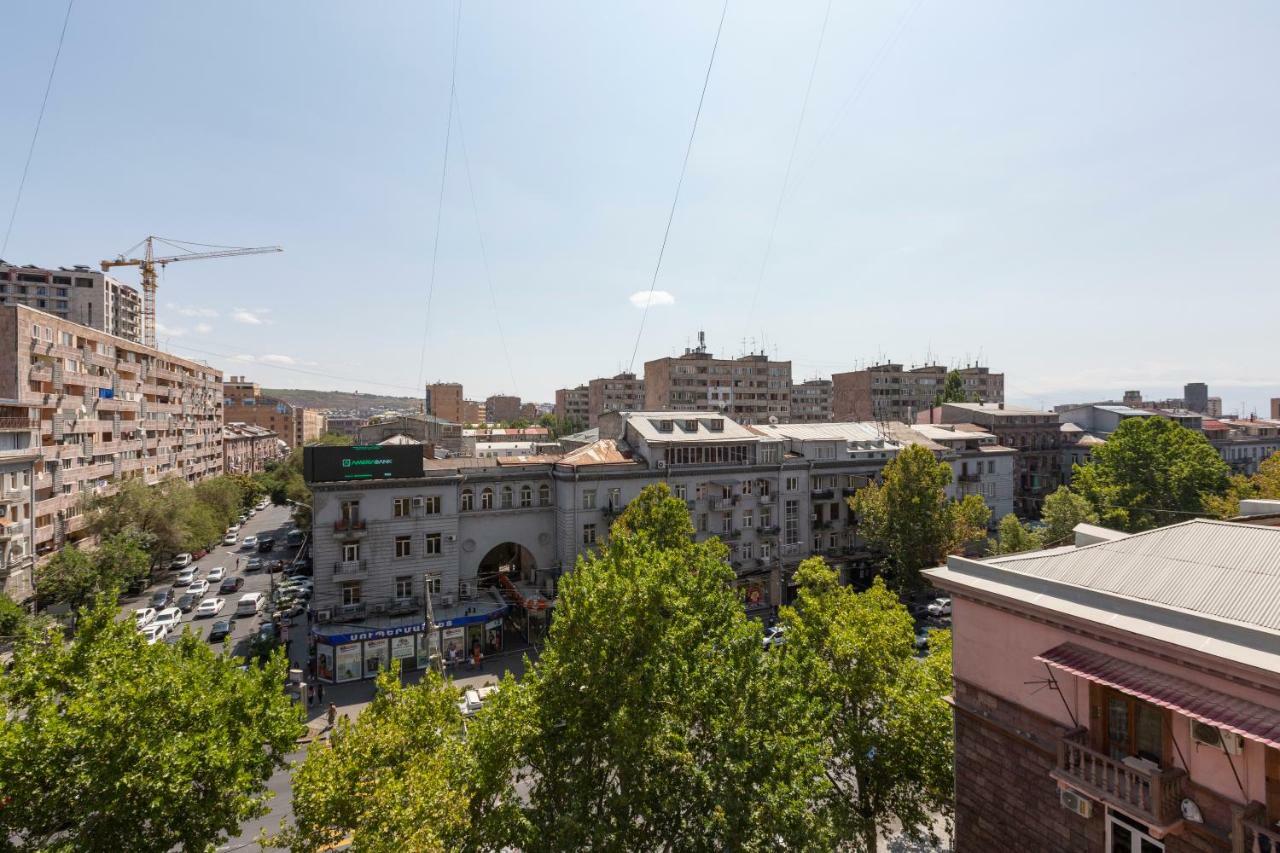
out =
column 351, row 512
column 486, row 498
column 746, row 486
column 764, row 488
column 400, row 507
column 1131, row 726
column 747, row 550
column 433, row 544
column 544, row 495
column 350, row 552
column 615, row 498
column 468, row 500
column 526, row 496
column 791, row 522
column 589, row 499
column 404, row 546
column 765, row 550
column 588, row 534
column 793, row 484
column 702, row 523
column 432, row 583
column 351, row 592
column 506, row 497
column 1129, row 836
column 748, row 518
column 431, row 504
column 681, row 491
column 404, row 587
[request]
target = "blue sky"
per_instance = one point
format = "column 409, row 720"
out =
column 1084, row 195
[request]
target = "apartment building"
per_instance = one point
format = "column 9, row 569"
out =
column 752, row 389
column 980, row 464
column 243, row 402
column 98, row 409
column 1247, row 443
column 1120, row 695
column 472, row 412
column 343, row 424
column 574, row 404
column 424, row 429
column 893, row 393
column 620, row 393
column 78, row 294
column 811, row 402
column 247, row 449
column 501, row 408
column 19, row 453
column 482, row 542
column 444, row 401
column 1196, row 397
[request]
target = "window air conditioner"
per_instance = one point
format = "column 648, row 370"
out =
column 1075, row 802
column 1212, row 736
column 323, row 615
column 418, row 502
column 661, row 463
column 466, row 590
column 447, row 601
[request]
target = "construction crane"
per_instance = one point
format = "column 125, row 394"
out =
column 148, row 263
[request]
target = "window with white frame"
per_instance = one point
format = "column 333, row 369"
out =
column 588, row 534
column 526, row 496
column 433, row 544
column 589, row 499
column 400, row 507
column 431, row 504
column 468, row 499
column 432, row 584
column 404, row 586
column 404, row 546
column 793, row 484
column 350, row 552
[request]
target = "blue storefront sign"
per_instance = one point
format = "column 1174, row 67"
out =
column 404, row 630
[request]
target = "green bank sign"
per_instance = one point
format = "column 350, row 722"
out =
column 324, row 464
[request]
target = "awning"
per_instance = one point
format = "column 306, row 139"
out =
column 1245, row 718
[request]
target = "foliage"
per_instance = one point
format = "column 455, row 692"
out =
column 1264, row 484
column 1061, row 512
column 401, row 777
column 225, row 498
column 1013, row 537
column 881, row 711
column 559, row 426
column 120, row 560
column 654, row 718
column 656, row 515
column 333, row 439
column 952, row 389
column 284, row 483
column 112, row 744
column 909, row 519
column 13, row 619
column 1151, row 471
column 69, row 576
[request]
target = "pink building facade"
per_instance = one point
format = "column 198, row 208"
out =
column 1120, row 696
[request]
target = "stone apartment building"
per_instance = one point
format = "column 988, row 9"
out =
column 501, row 408
column 574, row 404
column 247, row 449
column 473, row 412
column 811, row 402
column 893, row 393
column 343, row 424
column 243, row 402
column 751, row 389
column 424, row 429
column 444, row 400
column 1120, row 695
column 78, row 294
column 620, row 393
column 82, row 410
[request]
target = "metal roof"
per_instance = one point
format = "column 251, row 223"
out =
column 842, row 431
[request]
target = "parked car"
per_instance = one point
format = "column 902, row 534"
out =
column 220, row 629
column 229, row 539
column 216, row 574
column 181, row 561
column 275, row 566
column 940, row 607
column 187, row 601
column 169, row 618
column 235, row 528
column 185, row 577
column 199, row 588
column 155, row 633
column 774, row 636
column 254, row 564
column 264, row 503
column 266, row 633
column 922, row 639
column 161, row 598
column 266, row 543
column 210, row 607
column 293, row 538
column 144, row 616
column 249, row 542
column 199, row 553
column 230, row 584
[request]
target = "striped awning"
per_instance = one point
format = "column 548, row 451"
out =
column 1245, row 718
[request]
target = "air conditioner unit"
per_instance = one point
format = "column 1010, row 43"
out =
column 1075, row 802
column 813, row 516
column 450, row 537
column 418, row 502
column 323, row 615
column 661, row 463
column 377, row 608
column 447, row 601
column 466, row 590
column 1229, row 742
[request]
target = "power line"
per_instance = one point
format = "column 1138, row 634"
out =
column 323, row 375
column 48, row 86
column 786, row 177
column 679, row 183
column 444, row 171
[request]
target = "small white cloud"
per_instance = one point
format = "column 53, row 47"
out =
column 249, row 318
column 203, row 328
column 278, row 359
column 163, row 331
column 645, row 298
column 193, row 311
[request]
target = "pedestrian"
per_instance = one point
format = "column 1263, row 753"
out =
column 333, row 714
column 320, row 689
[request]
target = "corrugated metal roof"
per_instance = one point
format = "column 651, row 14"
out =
column 1223, row 569
column 603, row 452
column 841, row 431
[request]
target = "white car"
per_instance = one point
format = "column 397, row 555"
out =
column 168, row 619
column 181, row 561
column 198, row 588
column 264, row 503
column 774, row 636
column 940, row 607
column 185, row 577
column 210, row 607
column 235, row 528
column 154, row 634
column 249, row 542
column 144, row 616
column 229, row 539
column 216, row 574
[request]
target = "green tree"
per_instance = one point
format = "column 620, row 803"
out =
column 1013, row 537
column 108, row 743
column 13, row 619
column 68, row 577
column 909, row 519
column 1061, row 512
column 654, row 719
column 952, row 389
column 1151, row 471
column 1264, row 484
column 120, row 560
column 156, row 513
column 882, row 712
column 225, row 498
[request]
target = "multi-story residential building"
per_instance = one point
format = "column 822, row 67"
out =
column 243, row 402
column 1247, row 443
column 890, row 392
column 78, row 294
column 980, row 464
column 343, row 424
column 1120, row 695
column 1101, row 419
column 751, row 390
column 501, row 408
column 308, row 425
column 19, row 453
column 424, row 429
column 574, row 404
column 444, row 400
column 1275, row 408
column 1036, row 435
column 1196, row 397
column 621, row 393
column 529, row 412
column 811, row 402
column 1214, row 409
column 473, row 412
column 246, row 449
column 485, row 540
column 107, row 409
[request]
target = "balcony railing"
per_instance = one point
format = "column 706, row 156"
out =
column 735, row 533
column 1256, row 837
column 349, row 525
column 348, row 567
column 766, row 500
column 1153, row 796
column 721, row 504
column 17, row 528
column 969, row 478
column 18, row 423
column 823, row 494
column 771, row 530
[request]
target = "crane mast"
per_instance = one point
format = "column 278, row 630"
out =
column 147, row 266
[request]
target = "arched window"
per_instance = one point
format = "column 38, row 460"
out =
column 506, row 497
column 486, row 498
column 544, row 495
column 468, row 500
column 526, row 496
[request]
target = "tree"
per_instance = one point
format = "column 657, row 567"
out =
column 654, row 719
column 909, row 519
column 1061, row 512
column 225, row 498
column 881, row 712
column 109, row 743
column 120, row 560
column 12, row 617
column 1151, row 471
column 1014, row 537
column 952, row 389
column 1264, row 484
column 69, row 577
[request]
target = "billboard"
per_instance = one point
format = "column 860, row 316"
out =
column 360, row 462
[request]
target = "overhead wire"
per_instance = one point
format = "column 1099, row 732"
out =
column 444, row 172
column 35, row 134
column 684, row 166
column 292, row 369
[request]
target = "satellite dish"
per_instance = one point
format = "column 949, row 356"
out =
column 773, row 420
column 1191, row 812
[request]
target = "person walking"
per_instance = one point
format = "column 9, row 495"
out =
column 320, row 690
column 333, row 714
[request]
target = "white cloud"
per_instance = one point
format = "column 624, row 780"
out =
column 243, row 357
column 278, row 359
column 192, row 311
column 163, row 331
column 658, row 297
column 249, row 318
column 203, row 328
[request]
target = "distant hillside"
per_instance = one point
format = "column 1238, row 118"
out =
column 341, row 400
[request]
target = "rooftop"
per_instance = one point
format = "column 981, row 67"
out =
column 860, row 431
column 998, row 409
column 686, row 426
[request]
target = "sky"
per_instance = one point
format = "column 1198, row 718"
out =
column 1083, row 196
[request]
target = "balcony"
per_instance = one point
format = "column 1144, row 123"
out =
column 19, row 424
column 823, row 494
column 771, row 531
column 766, row 500
column 969, row 478
column 612, row 511
column 720, row 504
column 349, row 567
column 1155, row 796
column 823, row 524
column 849, row 491
column 349, row 528
column 10, row 531
column 1251, row 833
column 730, row 534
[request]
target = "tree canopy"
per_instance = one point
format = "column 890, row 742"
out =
column 1012, row 537
column 1264, row 484
column 108, row 743
column 1061, row 512
column 952, row 389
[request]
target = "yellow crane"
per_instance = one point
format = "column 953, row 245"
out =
column 148, row 263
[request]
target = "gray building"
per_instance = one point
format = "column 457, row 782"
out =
column 424, row 429
column 78, row 294
column 1196, row 397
